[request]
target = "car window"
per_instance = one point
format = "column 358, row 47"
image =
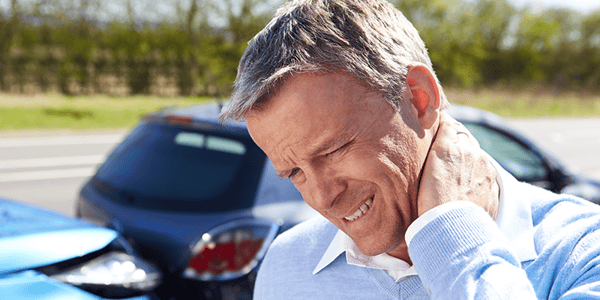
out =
column 165, row 167
column 510, row 154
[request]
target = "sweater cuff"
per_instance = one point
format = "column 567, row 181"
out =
column 451, row 234
column 428, row 216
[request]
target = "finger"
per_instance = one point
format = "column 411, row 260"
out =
column 463, row 132
column 451, row 132
column 447, row 131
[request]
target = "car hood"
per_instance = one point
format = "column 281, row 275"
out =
column 31, row 237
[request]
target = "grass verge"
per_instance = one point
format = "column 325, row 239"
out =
column 529, row 103
column 22, row 112
column 35, row 112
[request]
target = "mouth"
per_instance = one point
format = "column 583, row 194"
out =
column 360, row 211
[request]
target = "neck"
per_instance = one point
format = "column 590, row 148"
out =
column 401, row 252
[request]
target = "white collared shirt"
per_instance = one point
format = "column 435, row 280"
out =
column 396, row 268
column 513, row 219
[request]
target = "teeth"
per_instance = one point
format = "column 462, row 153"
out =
column 355, row 216
column 363, row 208
column 360, row 211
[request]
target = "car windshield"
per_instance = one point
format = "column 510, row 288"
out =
column 511, row 155
column 172, row 168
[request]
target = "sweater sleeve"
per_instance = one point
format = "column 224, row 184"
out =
column 461, row 254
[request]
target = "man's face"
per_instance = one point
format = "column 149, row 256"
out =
column 349, row 153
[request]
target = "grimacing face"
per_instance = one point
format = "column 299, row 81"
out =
column 350, row 154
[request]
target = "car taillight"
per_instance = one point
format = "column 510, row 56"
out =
column 230, row 250
column 179, row 119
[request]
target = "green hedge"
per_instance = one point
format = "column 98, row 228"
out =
column 46, row 47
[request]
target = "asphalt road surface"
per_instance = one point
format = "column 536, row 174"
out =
column 576, row 142
column 48, row 168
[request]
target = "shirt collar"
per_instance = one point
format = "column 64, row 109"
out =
column 514, row 220
column 514, row 215
column 337, row 247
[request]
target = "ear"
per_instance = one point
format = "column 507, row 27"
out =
column 423, row 94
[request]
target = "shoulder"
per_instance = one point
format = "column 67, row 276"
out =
column 567, row 240
column 307, row 240
column 560, row 220
column 310, row 234
column 552, row 211
column 291, row 259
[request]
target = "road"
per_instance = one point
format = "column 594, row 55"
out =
column 574, row 141
column 48, row 168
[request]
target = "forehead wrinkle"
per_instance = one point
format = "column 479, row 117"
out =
column 288, row 156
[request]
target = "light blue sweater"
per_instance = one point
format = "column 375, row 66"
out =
column 462, row 254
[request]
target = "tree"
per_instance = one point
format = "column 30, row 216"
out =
column 8, row 30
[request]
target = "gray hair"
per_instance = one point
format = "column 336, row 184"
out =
column 369, row 39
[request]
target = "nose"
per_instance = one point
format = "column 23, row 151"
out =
column 324, row 187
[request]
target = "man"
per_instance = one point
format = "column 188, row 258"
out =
column 341, row 95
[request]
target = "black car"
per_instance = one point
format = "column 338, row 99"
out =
column 521, row 157
column 200, row 200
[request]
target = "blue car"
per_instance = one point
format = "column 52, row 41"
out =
column 200, row 200
column 44, row 255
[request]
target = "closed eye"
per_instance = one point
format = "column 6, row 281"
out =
column 293, row 172
column 340, row 148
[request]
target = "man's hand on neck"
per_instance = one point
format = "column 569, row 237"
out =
column 457, row 169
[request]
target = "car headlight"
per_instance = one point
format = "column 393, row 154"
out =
column 114, row 274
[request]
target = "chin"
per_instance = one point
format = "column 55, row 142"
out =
column 372, row 249
column 372, row 253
